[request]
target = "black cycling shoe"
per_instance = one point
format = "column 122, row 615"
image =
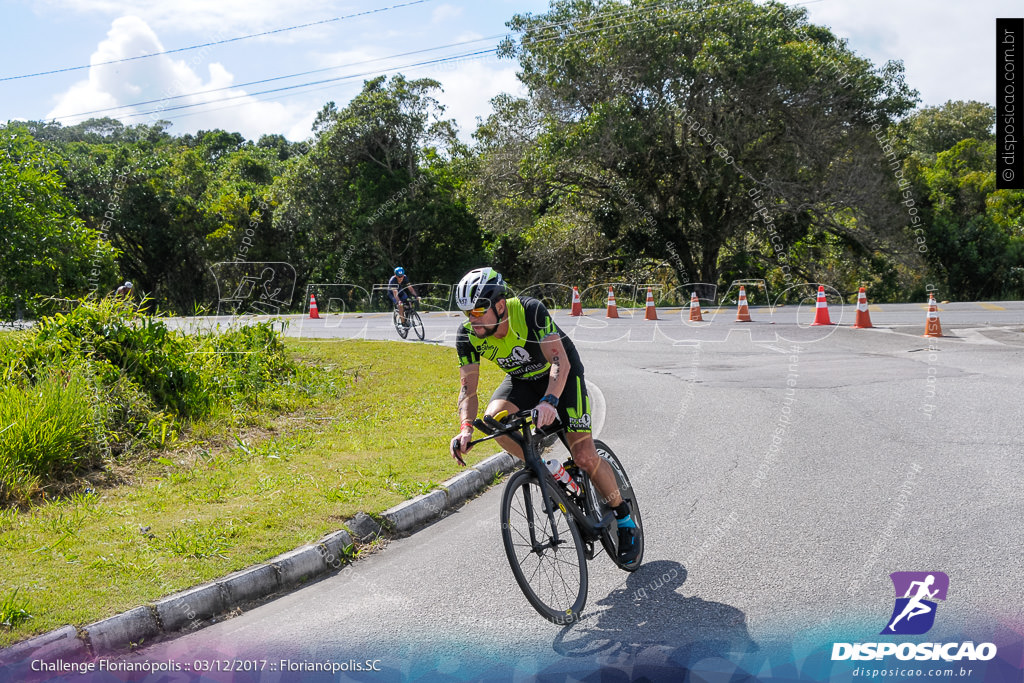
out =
column 629, row 544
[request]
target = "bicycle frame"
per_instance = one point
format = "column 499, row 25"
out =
column 519, row 431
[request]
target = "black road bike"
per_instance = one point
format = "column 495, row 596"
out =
column 549, row 532
column 412, row 320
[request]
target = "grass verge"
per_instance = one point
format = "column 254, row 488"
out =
column 107, row 381
column 359, row 426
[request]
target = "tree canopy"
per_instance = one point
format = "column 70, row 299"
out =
column 655, row 125
column 656, row 142
column 375, row 190
column 46, row 249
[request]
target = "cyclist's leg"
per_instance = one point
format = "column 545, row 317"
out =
column 574, row 412
column 400, row 305
column 512, row 396
column 495, row 407
column 584, row 454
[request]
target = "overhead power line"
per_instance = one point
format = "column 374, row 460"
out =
column 215, row 42
column 278, row 78
column 577, row 24
column 600, row 22
column 310, row 84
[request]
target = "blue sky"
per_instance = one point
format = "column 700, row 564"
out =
column 947, row 46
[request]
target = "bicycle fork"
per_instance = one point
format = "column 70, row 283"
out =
column 591, row 531
column 549, row 512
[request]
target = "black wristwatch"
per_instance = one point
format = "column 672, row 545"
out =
column 552, row 399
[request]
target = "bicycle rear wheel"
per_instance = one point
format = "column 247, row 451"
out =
column 403, row 331
column 610, row 537
column 417, row 325
column 552, row 574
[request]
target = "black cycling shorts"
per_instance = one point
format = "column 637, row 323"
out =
column 573, row 405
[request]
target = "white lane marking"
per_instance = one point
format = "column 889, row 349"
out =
column 973, row 335
column 775, row 348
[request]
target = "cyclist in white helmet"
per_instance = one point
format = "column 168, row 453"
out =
column 544, row 373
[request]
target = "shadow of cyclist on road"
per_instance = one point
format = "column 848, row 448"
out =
column 648, row 624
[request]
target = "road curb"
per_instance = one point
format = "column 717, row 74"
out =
column 62, row 643
column 177, row 611
column 172, row 613
column 464, row 485
column 299, row 565
column 121, row 631
column 502, row 462
column 249, row 584
column 410, row 514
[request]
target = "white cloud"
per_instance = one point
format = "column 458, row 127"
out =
column 363, row 60
column 947, row 46
column 445, row 13
column 160, row 78
column 468, row 83
column 469, row 87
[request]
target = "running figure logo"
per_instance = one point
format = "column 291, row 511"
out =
column 916, row 593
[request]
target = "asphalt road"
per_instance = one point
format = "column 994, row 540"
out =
column 783, row 471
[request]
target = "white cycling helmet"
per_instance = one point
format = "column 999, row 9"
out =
column 480, row 287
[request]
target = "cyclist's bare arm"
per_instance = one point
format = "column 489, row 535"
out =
column 469, row 378
column 554, row 351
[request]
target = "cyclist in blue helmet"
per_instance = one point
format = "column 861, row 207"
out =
column 400, row 289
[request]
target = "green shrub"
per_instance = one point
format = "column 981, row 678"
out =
column 106, row 378
column 47, row 429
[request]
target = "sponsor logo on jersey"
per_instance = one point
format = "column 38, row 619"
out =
column 582, row 422
column 517, row 357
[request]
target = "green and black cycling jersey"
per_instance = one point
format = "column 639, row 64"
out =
column 518, row 353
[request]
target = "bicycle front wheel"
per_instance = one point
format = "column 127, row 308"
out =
column 548, row 560
column 416, row 323
column 403, row 331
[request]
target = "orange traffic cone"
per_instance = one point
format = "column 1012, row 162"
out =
column 932, row 326
column 577, row 306
column 742, row 312
column 613, row 311
column 821, row 308
column 651, row 313
column 313, row 313
column 695, row 316
column 863, row 318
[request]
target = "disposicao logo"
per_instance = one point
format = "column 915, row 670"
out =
column 914, row 614
column 916, row 593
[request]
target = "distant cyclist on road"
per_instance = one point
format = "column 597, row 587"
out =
column 399, row 289
column 544, row 372
column 124, row 291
